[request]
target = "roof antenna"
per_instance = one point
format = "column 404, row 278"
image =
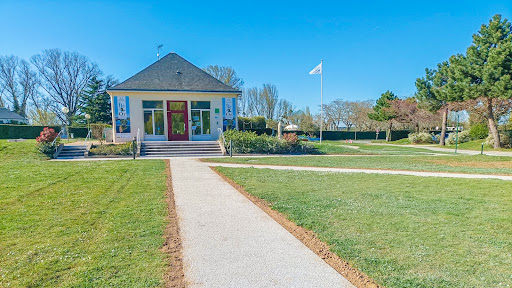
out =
column 158, row 51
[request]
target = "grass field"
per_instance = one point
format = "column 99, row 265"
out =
column 461, row 163
column 475, row 145
column 80, row 224
column 403, row 231
column 340, row 147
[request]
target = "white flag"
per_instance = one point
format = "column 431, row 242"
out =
column 317, row 70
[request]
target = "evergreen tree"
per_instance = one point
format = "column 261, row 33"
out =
column 96, row 101
column 382, row 111
column 485, row 72
column 433, row 93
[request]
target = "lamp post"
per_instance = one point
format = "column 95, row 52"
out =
column 87, row 117
column 65, row 110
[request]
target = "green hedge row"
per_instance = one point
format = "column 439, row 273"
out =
column 8, row 131
column 342, row 135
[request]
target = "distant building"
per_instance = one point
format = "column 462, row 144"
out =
column 9, row 117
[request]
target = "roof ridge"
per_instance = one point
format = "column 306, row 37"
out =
column 162, row 75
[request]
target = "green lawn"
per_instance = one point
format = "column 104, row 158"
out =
column 340, row 147
column 479, row 164
column 402, row 231
column 80, row 224
column 475, row 145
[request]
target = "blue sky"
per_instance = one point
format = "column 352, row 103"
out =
column 367, row 47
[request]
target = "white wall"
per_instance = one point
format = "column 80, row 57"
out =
column 136, row 114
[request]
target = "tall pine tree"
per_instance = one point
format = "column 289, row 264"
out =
column 383, row 113
column 485, row 72
column 96, row 101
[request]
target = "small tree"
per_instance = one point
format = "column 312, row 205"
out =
column 382, row 112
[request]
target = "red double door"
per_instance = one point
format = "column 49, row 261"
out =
column 177, row 120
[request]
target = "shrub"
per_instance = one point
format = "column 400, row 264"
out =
column 504, row 140
column 250, row 142
column 44, row 141
column 111, row 149
column 420, row 138
column 291, row 138
column 463, row 137
column 97, row 131
column 478, row 131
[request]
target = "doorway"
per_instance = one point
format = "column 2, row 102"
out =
column 177, row 120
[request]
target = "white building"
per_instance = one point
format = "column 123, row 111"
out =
column 172, row 100
column 9, row 117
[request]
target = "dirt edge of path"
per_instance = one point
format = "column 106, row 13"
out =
column 174, row 277
column 308, row 238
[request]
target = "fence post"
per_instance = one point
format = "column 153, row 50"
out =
column 134, row 147
column 482, row 150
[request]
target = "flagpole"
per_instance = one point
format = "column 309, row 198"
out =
column 321, row 97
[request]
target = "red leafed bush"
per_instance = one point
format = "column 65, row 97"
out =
column 291, row 138
column 47, row 135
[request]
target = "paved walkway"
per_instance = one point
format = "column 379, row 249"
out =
column 229, row 242
column 452, row 150
column 368, row 171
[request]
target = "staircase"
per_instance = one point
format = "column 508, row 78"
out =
column 72, row 152
column 181, row 149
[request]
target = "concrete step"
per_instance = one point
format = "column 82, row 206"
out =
column 183, row 155
column 179, row 148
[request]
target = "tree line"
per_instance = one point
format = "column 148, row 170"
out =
column 38, row 89
column 478, row 82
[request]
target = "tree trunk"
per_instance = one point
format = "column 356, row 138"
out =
column 443, row 126
column 388, row 132
column 492, row 124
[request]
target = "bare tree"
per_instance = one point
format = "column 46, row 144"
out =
column 254, row 101
column 360, row 110
column 270, row 97
column 2, row 104
column 226, row 75
column 18, row 83
column 64, row 76
column 284, row 110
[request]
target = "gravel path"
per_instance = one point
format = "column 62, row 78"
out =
column 229, row 242
column 368, row 171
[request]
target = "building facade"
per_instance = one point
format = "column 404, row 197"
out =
column 172, row 100
column 9, row 117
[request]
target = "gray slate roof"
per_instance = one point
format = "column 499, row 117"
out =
column 173, row 73
column 7, row 114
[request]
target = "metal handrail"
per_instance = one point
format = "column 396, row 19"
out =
column 221, row 133
column 88, row 137
column 138, row 137
column 58, row 135
column 227, row 146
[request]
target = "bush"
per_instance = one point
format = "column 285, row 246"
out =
column 504, row 140
column 291, row 138
column 463, row 137
column 45, row 143
column 420, row 138
column 249, row 142
column 111, row 149
column 478, row 131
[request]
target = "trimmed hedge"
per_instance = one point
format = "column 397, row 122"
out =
column 343, row 135
column 9, row 131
